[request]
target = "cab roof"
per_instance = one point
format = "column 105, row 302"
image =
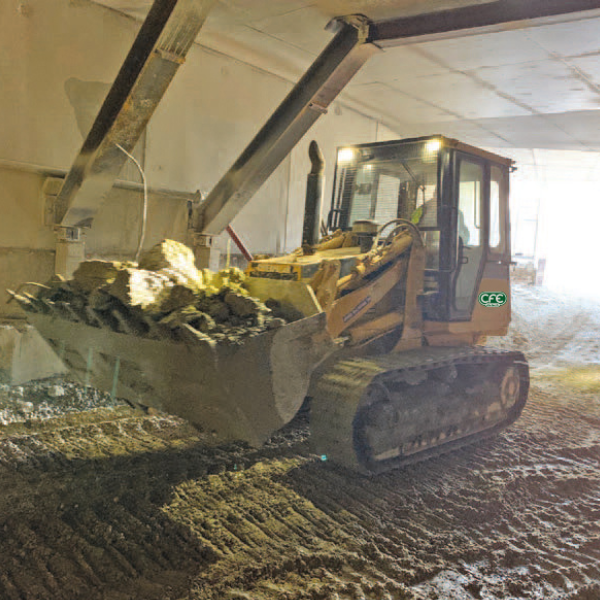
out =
column 446, row 143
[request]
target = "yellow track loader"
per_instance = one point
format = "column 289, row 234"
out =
column 391, row 300
column 392, row 309
column 412, row 279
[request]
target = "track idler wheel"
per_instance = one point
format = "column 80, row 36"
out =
column 510, row 387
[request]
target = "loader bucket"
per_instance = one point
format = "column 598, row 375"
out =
column 231, row 391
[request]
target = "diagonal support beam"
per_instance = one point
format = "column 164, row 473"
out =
column 160, row 48
column 308, row 100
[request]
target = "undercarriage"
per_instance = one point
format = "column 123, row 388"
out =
column 376, row 414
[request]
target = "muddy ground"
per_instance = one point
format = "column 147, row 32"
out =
column 112, row 504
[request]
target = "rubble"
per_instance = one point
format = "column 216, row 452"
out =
column 137, row 287
column 165, row 296
column 92, row 274
column 244, row 306
column 175, row 260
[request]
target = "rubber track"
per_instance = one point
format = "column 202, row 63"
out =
column 339, row 393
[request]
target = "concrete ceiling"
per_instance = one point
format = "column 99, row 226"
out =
column 536, row 87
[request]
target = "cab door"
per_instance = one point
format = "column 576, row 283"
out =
column 471, row 193
column 494, row 320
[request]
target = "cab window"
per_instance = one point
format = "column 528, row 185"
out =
column 498, row 210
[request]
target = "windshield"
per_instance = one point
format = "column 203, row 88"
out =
column 388, row 182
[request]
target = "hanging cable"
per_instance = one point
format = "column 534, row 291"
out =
column 145, row 205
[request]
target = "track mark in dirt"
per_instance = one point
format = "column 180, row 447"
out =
column 140, row 507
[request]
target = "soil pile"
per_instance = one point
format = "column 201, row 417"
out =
column 164, row 297
column 41, row 400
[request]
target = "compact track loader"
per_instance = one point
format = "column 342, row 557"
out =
column 384, row 309
column 391, row 311
column 413, row 278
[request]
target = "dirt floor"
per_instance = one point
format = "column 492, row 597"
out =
column 108, row 503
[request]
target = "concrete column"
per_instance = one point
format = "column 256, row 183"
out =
column 70, row 250
column 207, row 256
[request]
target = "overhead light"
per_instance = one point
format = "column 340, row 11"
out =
column 346, row 155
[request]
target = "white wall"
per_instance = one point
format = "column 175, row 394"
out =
column 571, row 218
column 43, row 43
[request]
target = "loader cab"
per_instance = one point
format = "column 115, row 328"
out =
column 455, row 193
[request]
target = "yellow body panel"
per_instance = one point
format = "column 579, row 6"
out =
column 297, row 293
column 485, row 321
column 372, row 329
column 348, row 309
column 293, row 263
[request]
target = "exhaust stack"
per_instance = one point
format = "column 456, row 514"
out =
column 314, row 196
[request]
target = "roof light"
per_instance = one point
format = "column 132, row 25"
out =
column 433, row 146
column 346, row 155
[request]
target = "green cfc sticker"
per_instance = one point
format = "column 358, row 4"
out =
column 492, row 299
